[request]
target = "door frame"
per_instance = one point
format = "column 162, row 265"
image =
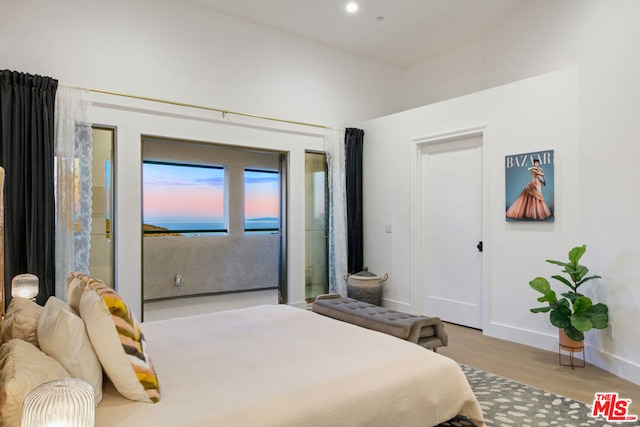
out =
column 420, row 144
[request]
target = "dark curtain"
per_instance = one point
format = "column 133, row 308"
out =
column 27, row 137
column 353, row 174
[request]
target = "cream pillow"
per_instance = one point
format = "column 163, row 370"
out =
column 75, row 285
column 21, row 321
column 118, row 340
column 22, row 368
column 62, row 335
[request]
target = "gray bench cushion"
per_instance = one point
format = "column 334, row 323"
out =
column 425, row 331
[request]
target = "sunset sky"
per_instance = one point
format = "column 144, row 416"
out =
column 175, row 192
column 261, row 194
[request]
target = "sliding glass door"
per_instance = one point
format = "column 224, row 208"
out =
column 101, row 254
column 316, row 226
column 213, row 221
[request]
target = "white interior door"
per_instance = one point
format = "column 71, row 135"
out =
column 451, row 174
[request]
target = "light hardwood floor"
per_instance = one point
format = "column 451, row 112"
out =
column 535, row 367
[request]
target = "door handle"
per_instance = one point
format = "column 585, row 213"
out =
column 479, row 246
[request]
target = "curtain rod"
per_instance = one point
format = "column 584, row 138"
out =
column 201, row 107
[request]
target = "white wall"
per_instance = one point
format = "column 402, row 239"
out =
column 542, row 36
column 169, row 49
column 175, row 50
column 591, row 122
column 139, row 118
column 518, row 118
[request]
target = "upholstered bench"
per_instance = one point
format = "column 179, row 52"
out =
column 425, row 331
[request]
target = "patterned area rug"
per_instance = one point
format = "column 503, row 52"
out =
column 505, row 402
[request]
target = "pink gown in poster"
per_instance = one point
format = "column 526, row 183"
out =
column 530, row 203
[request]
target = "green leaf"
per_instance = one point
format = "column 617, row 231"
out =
column 599, row 321
column 540, row 284
column 574, row 334
column 581, row 304
column 581, row 323
column 564, row 280
column 541, row 310
column 572, row 269
column 599, row 308
column 559, row 319
column 560, row 263
column 572, row 296
column 576, row 253
column 564, row 306
column 598, row 314
column 587, row 279
column 577, row 272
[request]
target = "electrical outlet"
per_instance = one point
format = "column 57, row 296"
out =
column 388, row 228
column 179, row 280
column 609, row 331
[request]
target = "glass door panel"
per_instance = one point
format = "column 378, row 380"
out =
column 102, row 236
column 316, row 226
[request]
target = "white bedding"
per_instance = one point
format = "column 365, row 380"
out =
column 283, row 366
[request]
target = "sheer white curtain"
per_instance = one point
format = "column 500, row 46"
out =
column 73, row 184
column 334, row 147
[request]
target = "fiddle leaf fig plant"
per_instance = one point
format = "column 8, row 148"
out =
column 574, row 313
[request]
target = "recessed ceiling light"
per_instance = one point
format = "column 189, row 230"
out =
column 352, row 7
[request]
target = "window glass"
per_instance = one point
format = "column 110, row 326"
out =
column 316, row 226
column 182, row 199
column 261, row 201
column 102, row 237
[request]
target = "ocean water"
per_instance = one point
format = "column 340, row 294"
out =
column 250, row 224
column 272, row 223
column 188, row 225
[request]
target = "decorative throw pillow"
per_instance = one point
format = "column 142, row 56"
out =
column 22, row 368
column 76, row 282
column 21, row 321
column 62, row 335
column 118, row 340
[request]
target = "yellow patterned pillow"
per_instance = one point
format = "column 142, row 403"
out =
column 118, row 340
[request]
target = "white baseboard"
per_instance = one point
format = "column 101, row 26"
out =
column 396, row 305
column 521, row 336
column 299, row 304
column 616, row 365
column 597, row 357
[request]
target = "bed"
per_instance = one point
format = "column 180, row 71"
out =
column 270, row 365
column 284, row 366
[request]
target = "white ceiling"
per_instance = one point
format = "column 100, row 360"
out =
column 411, row 31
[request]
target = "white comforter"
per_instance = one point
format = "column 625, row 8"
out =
column 283, row 366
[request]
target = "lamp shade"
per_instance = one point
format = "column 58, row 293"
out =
column 67, row 402
column 25, row 286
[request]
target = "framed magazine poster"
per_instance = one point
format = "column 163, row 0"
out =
column 529, row 181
